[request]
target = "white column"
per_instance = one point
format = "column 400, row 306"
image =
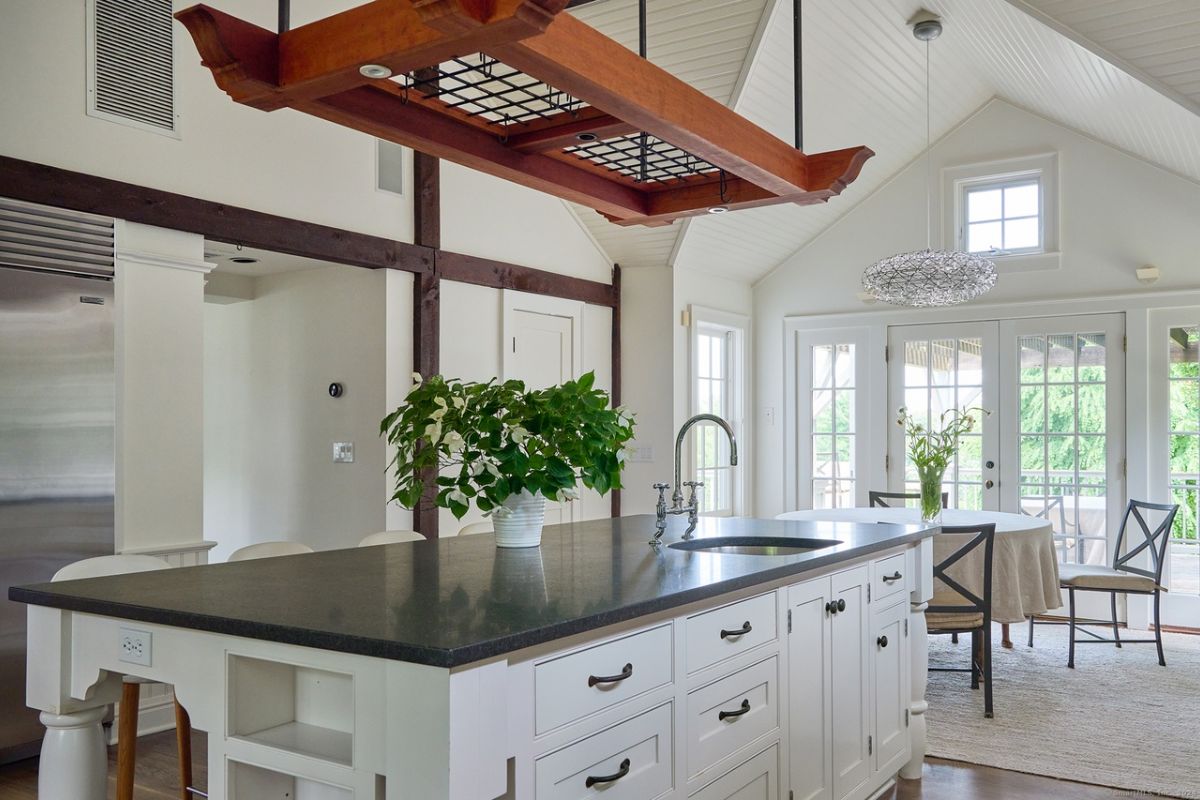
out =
column 74, row 761
column 159, row 302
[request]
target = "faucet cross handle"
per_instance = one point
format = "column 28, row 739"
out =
column 693, row 486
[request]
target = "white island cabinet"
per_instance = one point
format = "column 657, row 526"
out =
column 798, row 687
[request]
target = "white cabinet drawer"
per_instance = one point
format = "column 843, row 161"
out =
column 730, row 713
column 633, row 757
column 756, row 779
column 581, row 683
column 718, row 634
column 887, row 577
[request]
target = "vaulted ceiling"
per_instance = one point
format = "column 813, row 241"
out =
column 1126, row 72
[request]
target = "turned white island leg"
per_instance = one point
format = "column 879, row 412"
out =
column 919, row 650
column 74, row 760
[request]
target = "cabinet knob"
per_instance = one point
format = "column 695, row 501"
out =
column 881, row 641
column 831, row 607
column 841, row 605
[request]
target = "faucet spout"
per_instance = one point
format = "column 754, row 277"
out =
column 677, row 493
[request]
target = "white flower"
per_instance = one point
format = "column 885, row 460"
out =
column 519, row 434
column 454, row 441
column 566, row 495
column 433, row 432
column 416, row 379
column 476, row 468
column 458, row 402
column 438, row 414
column 491, row 468
column 456, row 496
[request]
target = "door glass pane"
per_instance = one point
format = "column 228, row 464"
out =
column 1183, row 556
column 833, row 402
column 941, row 375
column 1063, row 446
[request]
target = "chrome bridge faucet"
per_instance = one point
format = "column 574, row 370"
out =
column 692, row 509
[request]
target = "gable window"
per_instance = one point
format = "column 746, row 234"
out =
column 1003, row 217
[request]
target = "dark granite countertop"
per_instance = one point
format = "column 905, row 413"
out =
column 457, row 600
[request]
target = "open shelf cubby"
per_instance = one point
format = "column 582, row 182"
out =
column 294, row 708
column 250, row 782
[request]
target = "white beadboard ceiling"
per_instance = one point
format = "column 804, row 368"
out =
column 1159, row 40
column 864, row 84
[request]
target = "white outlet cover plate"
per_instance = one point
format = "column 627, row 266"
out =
column 343, row 452
column 134, row 646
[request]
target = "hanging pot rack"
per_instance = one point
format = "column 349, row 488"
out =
column 519, row 90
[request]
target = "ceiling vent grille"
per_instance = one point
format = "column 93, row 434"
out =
column 55, row 240
column 131, row 63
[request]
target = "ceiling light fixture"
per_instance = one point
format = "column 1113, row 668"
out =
column 929, row 277
column 718, row 209
column 586, row 137
column 374, row 71
column 243, row 260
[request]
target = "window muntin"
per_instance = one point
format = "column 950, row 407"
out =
column 833, row 405
column 1183, row 363
column 1003, row 217
column 715, row 392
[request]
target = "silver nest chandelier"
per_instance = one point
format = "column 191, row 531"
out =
column 929, row 277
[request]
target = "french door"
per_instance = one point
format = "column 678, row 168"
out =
column 1054, row 444
column 933, row 369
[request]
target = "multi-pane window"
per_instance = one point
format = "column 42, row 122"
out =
column 1063, row 439
column 1003, row 217
column 1184, row 474
column 941, row 375
column 716, row 384
column 833, row 401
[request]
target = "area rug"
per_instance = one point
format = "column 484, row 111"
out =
column 1118, row 719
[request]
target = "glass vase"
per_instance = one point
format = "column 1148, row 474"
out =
column 931, row 493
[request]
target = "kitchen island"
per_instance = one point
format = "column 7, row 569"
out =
column 593, row 665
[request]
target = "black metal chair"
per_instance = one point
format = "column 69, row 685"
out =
column 1122, row 577
column 956, row 609
column 879, row 499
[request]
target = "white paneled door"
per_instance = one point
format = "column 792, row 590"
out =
column 543, row 346
column 933, row 369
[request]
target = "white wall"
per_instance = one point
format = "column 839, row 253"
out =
column 282, row 162
column 269, row 472
column 1117, row 213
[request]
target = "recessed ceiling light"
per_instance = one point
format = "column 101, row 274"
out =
column 718, row 209
column 243, row 260
column 586, row 136
column 375, row 71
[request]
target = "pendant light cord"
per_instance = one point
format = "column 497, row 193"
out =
column 928, row 160
column 798, row 73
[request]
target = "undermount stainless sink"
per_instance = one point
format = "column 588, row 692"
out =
column 755, row 545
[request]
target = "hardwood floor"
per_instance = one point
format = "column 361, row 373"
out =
column 156, row 778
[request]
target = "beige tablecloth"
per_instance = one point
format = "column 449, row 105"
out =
column 1024, row 566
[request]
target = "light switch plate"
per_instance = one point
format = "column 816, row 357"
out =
column 640, row 453
column 134, row 646
column 343, row 452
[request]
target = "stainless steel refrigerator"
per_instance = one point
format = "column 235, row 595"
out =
column 56, row 445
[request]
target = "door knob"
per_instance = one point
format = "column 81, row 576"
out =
column 881, row 641
column 988, row 484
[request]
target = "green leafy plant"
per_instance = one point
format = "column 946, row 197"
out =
column 932, row 449
column 489, row 441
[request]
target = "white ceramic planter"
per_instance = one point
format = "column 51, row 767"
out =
column 519, row 520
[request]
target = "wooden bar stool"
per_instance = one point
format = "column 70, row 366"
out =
column 131, row 691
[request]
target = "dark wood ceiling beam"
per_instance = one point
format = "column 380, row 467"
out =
column 500, row 274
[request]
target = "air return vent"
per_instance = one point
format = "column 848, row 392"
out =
column 131, row 75
column 55, row 240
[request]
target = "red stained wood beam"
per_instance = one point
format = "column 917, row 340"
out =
column 832, row 172
column 381, row 112
column 269, row 71
column 554, row 133
column 630, row 88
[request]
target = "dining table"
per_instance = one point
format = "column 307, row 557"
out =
column 1024, row 561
